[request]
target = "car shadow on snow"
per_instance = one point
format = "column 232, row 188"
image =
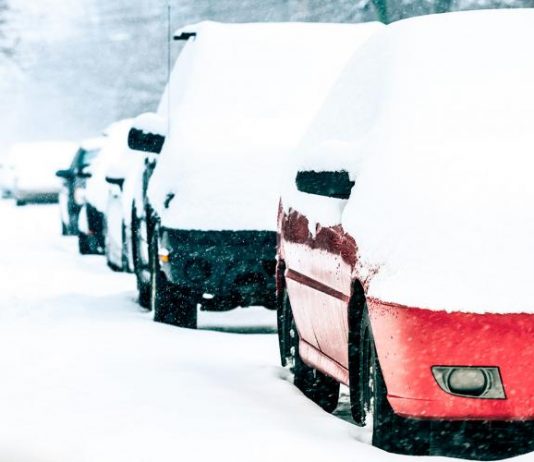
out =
column 84, row 306
column 252, row 320
column 240, row 330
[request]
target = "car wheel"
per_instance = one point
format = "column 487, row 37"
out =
column 140, row 267
column 391, row 432
column 107, row 251
column 171, row 304
column 320, row 388
column 85, row 246
column 64, row 229
column 20, row 202
column 124, row 250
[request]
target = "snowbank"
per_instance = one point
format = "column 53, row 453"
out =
column 89, row 377
column 437, row 112
column 149, row 122
column 240, row 98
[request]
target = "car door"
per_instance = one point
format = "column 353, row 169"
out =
column 319, row 258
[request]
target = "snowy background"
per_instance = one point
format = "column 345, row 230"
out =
column 87, row 375
column 70, row 67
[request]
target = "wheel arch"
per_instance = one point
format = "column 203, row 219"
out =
column 356, row 310
column 280, row 279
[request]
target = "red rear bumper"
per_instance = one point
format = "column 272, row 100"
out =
column 409, row 341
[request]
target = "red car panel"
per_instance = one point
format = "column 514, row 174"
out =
column 319, row 275
column 409, row 341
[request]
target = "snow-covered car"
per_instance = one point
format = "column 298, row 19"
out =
column 122, row 177
column 34, row 168
column 92, row 219
column 405, row 257
column 72, row 194
column 239, row 98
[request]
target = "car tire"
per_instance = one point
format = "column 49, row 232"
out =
column 125, row 261
column 391, row 432
column 64, row 229
column 20, row 202
column 143, row 287
column 84, row 244
column 320, row 388
column 171, row 304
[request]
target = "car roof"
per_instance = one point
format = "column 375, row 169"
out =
column 241, row 95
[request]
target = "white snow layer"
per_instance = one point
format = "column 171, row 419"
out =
column 149, row 122
column 90, row 377
column 92, row 144
column 433, row 118
column 240, row 98
column 35, row 164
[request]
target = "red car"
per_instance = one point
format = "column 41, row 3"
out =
column 406, row 244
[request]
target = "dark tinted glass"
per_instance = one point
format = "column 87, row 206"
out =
column 88, row 156
column 331, row 184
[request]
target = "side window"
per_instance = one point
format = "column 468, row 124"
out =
column 138, row 140
column 336, row 184
column 148, row 133
column 76, row 159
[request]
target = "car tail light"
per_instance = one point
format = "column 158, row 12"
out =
column 470, row 381
column 163, row 255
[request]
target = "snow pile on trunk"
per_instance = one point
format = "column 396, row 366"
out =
column 437, row 115
column 240, row 98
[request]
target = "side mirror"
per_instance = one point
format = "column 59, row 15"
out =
column 116, row 181
column 336, row 184
column 148, row 133
column 65, row 174
column 84, row 174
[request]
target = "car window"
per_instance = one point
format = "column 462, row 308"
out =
column 88, row 156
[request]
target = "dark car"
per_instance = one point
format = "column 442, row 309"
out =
column 72, row 193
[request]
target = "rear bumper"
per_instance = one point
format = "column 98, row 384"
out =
column 236, row 265
column 409, row 341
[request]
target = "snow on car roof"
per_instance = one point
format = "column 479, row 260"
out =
column 55, row 154
column 92, row 144
column 35, row 163
column 241, row 96
column 434, row 115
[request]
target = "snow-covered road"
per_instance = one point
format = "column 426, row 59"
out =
column 87, row 376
